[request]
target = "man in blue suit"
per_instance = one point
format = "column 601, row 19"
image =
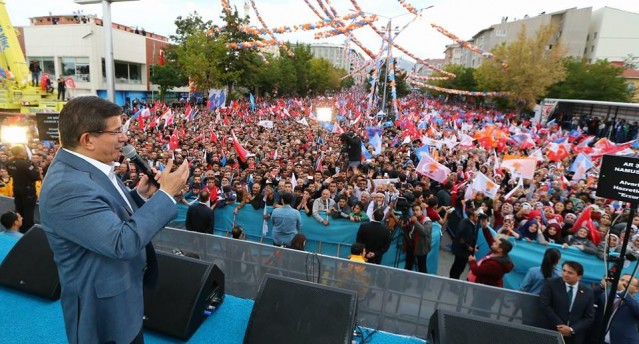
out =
column 625, row 319
column 568, row 304
column 99, row 231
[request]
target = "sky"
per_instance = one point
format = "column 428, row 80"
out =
column 463, row 18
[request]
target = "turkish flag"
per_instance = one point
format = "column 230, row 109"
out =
column 585, row 220
column 69, row 82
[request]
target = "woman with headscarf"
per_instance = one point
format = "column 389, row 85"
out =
column 531, row 231
column 610, row 243
column 581, row 241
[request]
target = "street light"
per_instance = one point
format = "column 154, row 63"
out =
column 109, row 64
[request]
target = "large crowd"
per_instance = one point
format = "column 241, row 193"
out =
column 274, row 152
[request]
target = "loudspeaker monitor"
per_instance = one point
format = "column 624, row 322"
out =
column 448, row 327
column 188, row 289
column 287, row 310
column 29, row 266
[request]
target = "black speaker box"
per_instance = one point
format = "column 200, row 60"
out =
column 287, row 310
column 29, row 266
column 187, row 290
column 447, row 327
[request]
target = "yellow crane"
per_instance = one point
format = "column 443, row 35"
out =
column 16, row 92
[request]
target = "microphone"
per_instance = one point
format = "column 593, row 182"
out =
column 142, row 165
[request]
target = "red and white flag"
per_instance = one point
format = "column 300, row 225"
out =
column 241, row 152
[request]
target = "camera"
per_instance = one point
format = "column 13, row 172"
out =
column 403, row 203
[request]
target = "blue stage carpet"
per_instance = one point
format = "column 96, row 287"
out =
column 32, row 320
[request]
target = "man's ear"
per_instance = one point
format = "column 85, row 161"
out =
column 86, row 141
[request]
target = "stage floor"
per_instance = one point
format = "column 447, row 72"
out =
column 30, row 319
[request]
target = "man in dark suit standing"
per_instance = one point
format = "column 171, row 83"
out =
column 568, row 304
column 199, row 216
column 623, row 327
column 464, row 243
column 375, row 236
column 99, row 231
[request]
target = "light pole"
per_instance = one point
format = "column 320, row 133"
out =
column 390, row 31
column 109, row 64
column 389, row 39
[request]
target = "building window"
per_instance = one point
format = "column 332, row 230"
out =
column 585, row 50
column 592, row 48
column 594, row 35
column 76, row 67
column 125, row 73
column 47, row 64
column 500, row 33
column 587, row 37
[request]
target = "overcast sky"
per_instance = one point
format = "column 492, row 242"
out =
column 462, row 17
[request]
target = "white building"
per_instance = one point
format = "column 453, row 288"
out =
column 613, row 35
column 453, row 54
column 335, row 54
column 571, row 27
column 606, row 33
column 73, row 46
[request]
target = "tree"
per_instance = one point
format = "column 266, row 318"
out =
column 197, row 54
column 301, row 61
column 238, row 67
column 464, row 80
column 166, row 77
column 534, row 64
column 598, row 81
column 199, row 58
column 322, row 76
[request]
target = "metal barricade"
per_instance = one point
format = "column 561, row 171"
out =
column 392, row 300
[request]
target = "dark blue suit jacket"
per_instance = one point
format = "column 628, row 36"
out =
column 554, row 303
column 99, row 248
column 623, row 328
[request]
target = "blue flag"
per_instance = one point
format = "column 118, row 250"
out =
column 252, row 99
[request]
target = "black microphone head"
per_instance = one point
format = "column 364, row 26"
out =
column 129, row 151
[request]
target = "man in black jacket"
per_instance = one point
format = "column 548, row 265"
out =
column 464, row 243
column 375, row 236
column 199, row 216
column 353, row 146
column 24, row 175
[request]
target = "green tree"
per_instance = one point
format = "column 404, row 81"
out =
column 301, row 61
column 534, row 64
column 322, row 76
column 464, row 80
column 198, row 58
column 167, row 77
column 186, row 27
column 197, row 53
column 238, row 67
column 598, row 81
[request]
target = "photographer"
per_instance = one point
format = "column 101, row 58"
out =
column 417, row 239
column 24, row 175
column 352, row 146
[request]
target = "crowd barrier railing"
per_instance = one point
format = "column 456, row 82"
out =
column 392, row 300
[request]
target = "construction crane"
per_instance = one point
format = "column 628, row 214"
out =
column 17, row 95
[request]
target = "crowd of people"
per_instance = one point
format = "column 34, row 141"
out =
column 369, row 170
